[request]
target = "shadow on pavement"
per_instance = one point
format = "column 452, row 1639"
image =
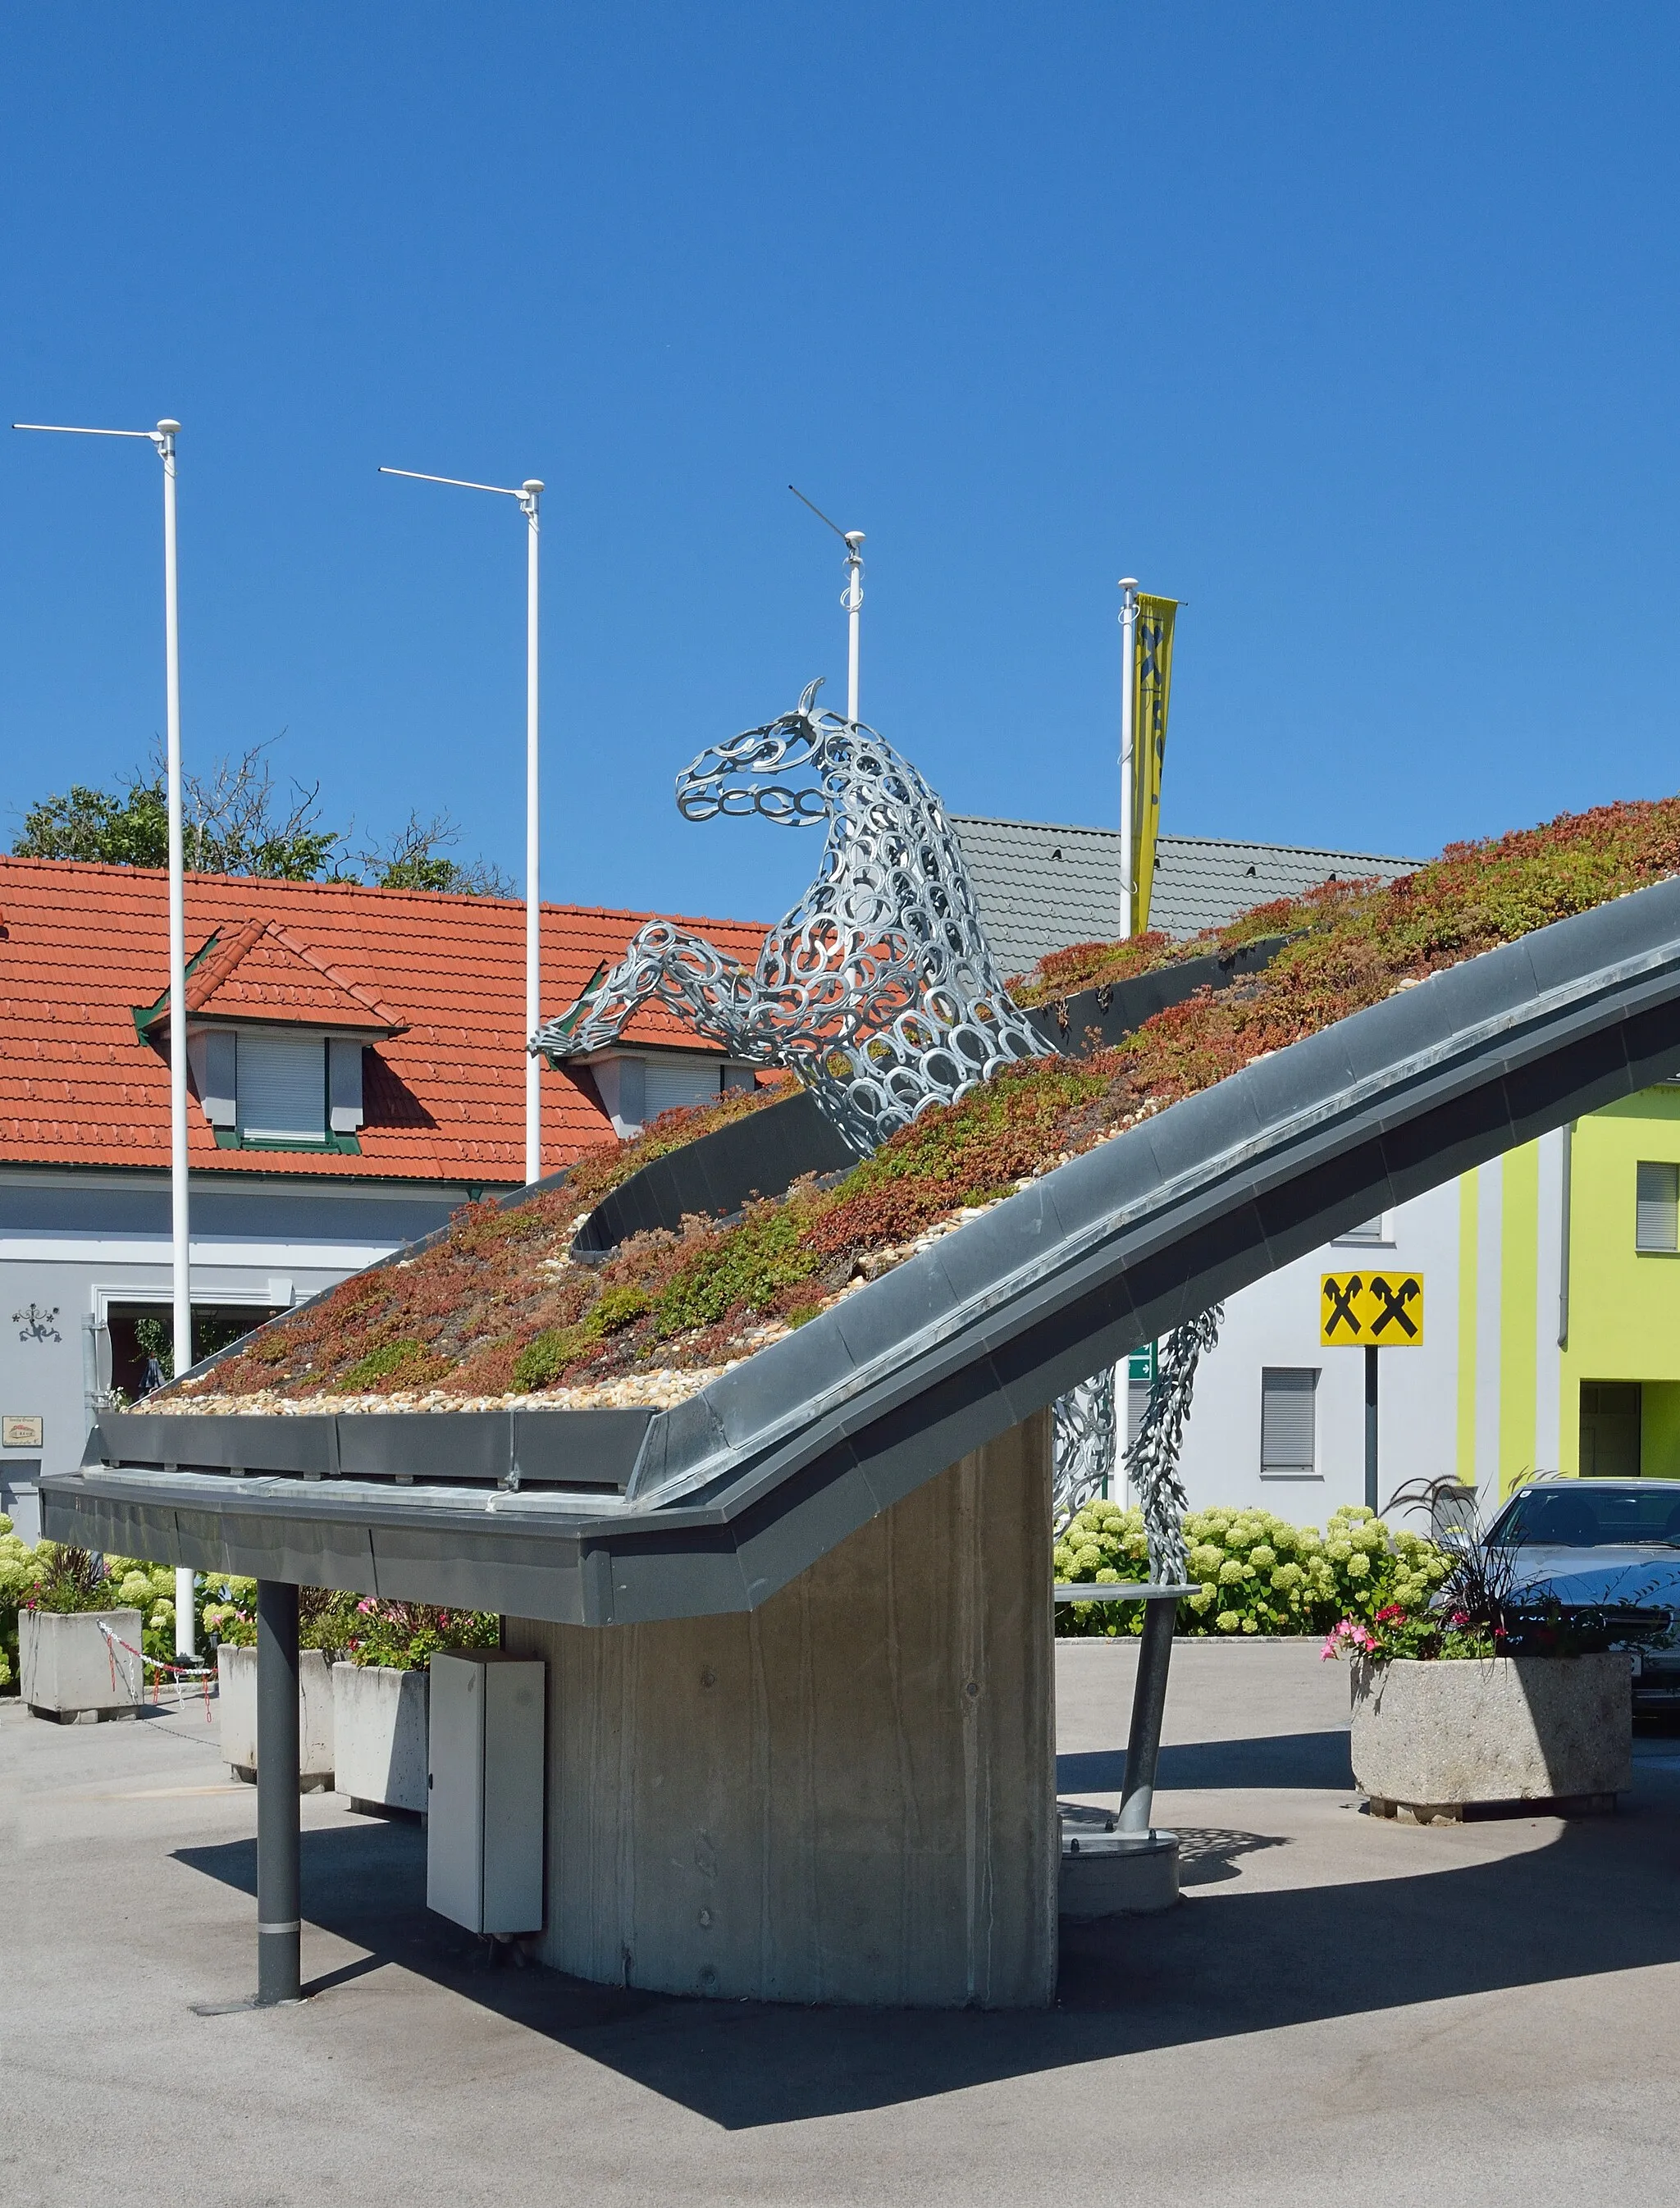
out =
column 1602, row 1897
column 1316, row 1760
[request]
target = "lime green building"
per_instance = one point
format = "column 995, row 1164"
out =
column 1568, row 1302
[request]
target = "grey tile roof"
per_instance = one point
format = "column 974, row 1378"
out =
column 1042, row 887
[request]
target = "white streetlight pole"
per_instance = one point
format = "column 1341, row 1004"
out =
column 851, row 597
column 528, row 494
column 163, row 439
column 1128, row 745
column 853, row 605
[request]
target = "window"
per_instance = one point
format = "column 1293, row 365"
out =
column 1371, row 1230
column 282, row 1087
column 1657, row 1212
column 1287, row 1436
column 1611, row 1413
column 669, row 1083
column 634, row 1088
column 278, row 1088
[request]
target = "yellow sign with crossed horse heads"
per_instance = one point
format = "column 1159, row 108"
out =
column 1371, row 1310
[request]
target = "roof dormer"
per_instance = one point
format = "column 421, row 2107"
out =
column 275, row 1040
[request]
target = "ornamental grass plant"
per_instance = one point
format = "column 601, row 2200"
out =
column 497, row 1309
column 1258, row 1575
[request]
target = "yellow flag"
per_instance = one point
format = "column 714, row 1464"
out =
column 1152, row 684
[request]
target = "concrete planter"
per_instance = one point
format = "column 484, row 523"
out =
column 68, row 1669
column 379, row 1729
column 1439, row 1740
column 235, row 1685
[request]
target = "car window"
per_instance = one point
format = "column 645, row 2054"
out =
column 1591, row 1517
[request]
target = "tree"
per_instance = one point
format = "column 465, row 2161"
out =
column 234, row 823
column 412, row 859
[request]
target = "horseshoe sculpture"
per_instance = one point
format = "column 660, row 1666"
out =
column 878, row 989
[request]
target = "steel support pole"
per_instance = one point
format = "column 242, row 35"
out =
column 528, row 497
column 1148, row 1705
column 1128, row 747
column 1372, row 1355
column 278, row 1909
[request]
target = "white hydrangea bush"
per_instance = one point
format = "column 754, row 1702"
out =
column 1256, row 1573
column 20, row 1568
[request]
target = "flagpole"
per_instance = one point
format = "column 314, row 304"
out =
column 180, row 1226
column 1128, row 746
column 529, row 493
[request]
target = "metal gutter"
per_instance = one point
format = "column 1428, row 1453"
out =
column 723, row 1499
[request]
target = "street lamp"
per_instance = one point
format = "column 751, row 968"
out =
column 527, row 495
column 163, row 438
column 851, row 597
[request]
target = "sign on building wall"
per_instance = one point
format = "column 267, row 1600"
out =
column 1371, row 1310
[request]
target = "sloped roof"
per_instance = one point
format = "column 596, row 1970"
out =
column 261, row 971
column 80, row 946
column 1042, row 887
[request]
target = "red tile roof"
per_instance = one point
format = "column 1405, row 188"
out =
column 82, row 946
column 262, row 972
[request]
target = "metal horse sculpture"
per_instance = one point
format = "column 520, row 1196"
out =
column 878, row 989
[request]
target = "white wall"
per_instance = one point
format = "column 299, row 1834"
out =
column 1276, row 1322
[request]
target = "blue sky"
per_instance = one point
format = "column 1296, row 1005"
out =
column 1352, row 326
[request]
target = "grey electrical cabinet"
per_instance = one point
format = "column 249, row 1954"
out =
column 484, row 1829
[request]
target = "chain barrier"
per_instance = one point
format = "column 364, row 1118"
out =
column 178, row 1673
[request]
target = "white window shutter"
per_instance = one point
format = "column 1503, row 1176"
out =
column 1657, row 1224
column 1287, row 1439
column 282, row 1087
column 674, row 1081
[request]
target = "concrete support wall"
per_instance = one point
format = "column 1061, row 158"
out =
column 847, row 1795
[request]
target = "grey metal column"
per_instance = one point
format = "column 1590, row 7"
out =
column 277, row 1906
column 1371, row 1490
column 1148, row 1704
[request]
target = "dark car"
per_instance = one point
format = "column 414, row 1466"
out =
column 1608, row 1546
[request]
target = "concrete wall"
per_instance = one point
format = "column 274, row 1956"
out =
column 847, row 1795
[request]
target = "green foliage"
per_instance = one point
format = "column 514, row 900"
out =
column 739, row 1270
column 129, row 827
column 1395, row 1631
column 404, row 1636
column 1257, row 1574
column 64, row 1579
column 235, row 824
column 20, row 1574
column 542, row 1361
column 389, row 1360
column 617, row 1309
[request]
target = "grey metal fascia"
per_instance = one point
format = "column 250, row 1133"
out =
column 743, row 1486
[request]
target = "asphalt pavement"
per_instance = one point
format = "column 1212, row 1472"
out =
column 1340, row 2008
